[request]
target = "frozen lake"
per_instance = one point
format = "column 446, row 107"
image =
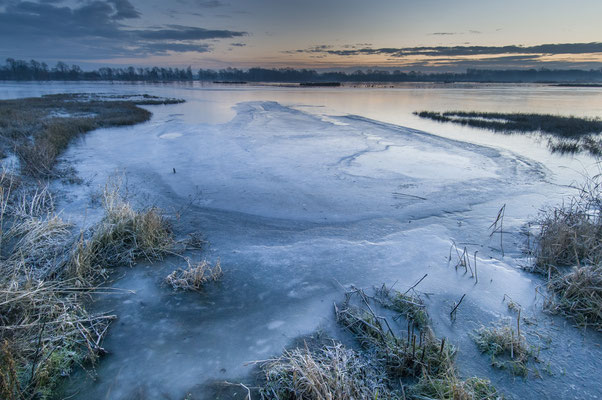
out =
column 299, row 191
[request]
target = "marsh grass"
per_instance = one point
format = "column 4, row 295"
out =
column 47, row 276
column 571, row 234
column 39, row 129
column 411, row 306
column 388, row 366
column 122, row 237
column 331, row 372
column 578, row 295
column 194, row 276
column 570, row 134
column 568, row 252
column 508, row 348
column 451, row 387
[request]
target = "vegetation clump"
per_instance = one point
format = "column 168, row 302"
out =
column 571, row 233
column 331, row 372
column 123, row 236
column 508, row 348
column 578, row 295
column 568, row 252
column 388, row 366
column 411, row 306
column 572, row 134
column 195, row 276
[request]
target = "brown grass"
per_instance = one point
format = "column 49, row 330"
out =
column 571, row 234
column 578, row 295
column 45, row 329
column 122, row 237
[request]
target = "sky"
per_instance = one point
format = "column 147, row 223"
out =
column 424, row 35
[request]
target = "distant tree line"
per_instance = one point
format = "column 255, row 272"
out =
column 20, row 70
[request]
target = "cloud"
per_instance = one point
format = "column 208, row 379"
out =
column 445, row 33
column 178, row 32
column 204, row 3
column 238, row 44
column 209, row 3
column 93, row 29
column 124, row 9
column 438, row 51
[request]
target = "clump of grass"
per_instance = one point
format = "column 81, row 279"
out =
column 507, row 348
column 123, row 236
column 331, row 372
column 570, row 234
column 578, row 295
column 39, row 244
column 401, row 357
column 411, row 306
column 44, row 331
column 575, row 134
column 450, row 387
column 195, row 276
column 39, row 129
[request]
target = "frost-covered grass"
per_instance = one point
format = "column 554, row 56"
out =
column 508, row 348
column 330, row 372
column 578, row 295
column 194, row 276
column 46, row 277
column 417, row 365
column 570, row 237
column 38, row 129
column 409, row 305
column 388, row 366
column 570, row 134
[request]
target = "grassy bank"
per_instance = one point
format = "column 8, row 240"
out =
column 38, row 129
column 48, row 274
column 48, row 271
column 567, row 134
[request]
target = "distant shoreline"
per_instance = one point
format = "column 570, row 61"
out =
column 21, row 70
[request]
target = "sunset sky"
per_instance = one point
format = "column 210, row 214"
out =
column 409, row 35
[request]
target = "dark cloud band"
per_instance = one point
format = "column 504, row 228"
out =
column 94, row 29
column 435, row 51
